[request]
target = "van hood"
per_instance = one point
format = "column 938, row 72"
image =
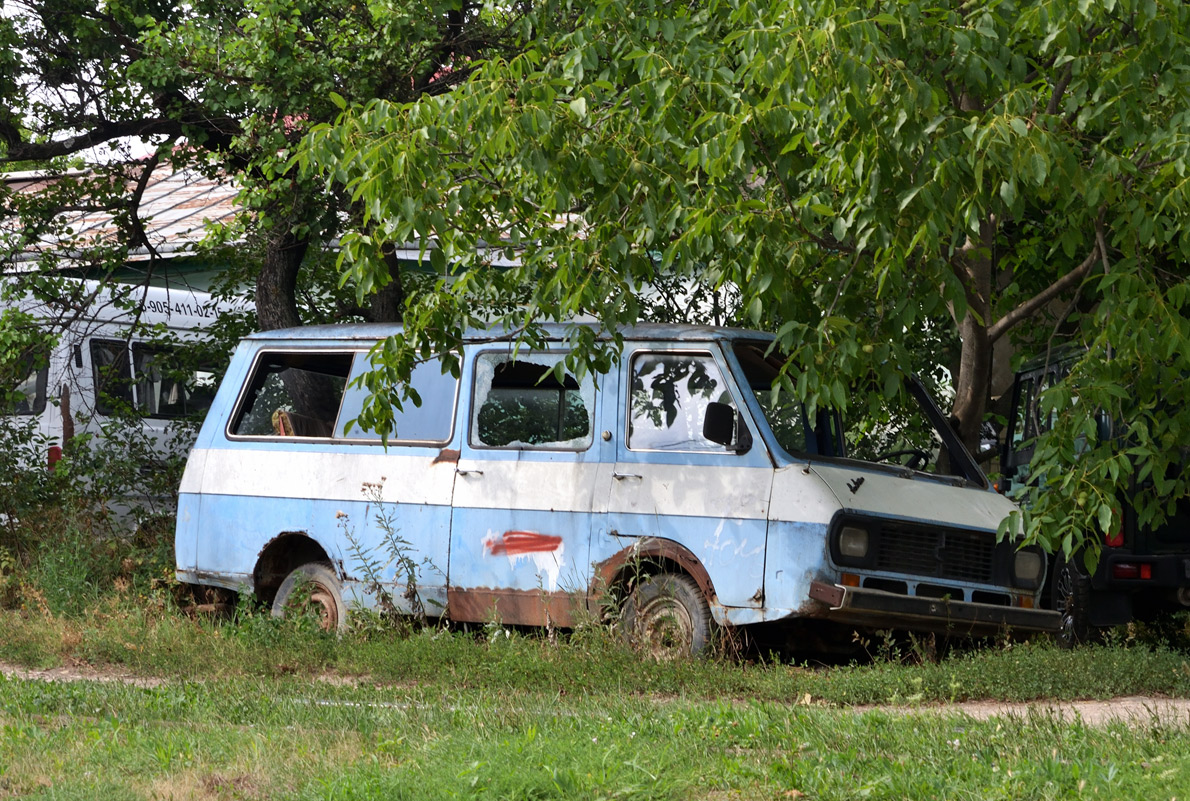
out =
column 906, row 495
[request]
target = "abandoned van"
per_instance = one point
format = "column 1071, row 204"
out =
column 675, row 484
column 111, row 352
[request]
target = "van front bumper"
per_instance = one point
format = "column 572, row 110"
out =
column 869, row 607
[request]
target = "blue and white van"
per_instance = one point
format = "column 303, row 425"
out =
column 519, row 492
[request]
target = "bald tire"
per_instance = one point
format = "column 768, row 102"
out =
column 667, row 617
column 313, row 587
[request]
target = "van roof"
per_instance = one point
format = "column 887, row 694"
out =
column 553, row 332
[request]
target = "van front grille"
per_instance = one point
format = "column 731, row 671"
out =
column 937, row 553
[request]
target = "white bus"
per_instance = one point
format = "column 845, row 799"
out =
column 110, row 354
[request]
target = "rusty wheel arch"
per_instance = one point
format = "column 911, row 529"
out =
column 648, row 556
column 280, row 556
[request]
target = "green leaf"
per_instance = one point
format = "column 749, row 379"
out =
column 1040, row 168
column 1105, row 518
column 755, row 310
column 1008, row 193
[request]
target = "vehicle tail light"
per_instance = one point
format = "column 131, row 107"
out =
column 1114, row 540
column 1132, row 570
column 54, row 456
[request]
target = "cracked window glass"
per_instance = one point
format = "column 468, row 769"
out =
column 670, row 395
column 522, row 403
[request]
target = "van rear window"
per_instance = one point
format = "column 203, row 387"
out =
column 167, row 389
column 155, row 384
column 112, row 375
column 29, row 394
column 312, row 394
column 293, row 394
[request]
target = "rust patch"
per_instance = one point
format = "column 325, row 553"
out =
column 609, row 570
column 515, row 607
column 826, row 593
column 446, row 456
column 516, row 543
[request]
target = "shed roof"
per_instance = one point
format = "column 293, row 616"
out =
column 175, row 209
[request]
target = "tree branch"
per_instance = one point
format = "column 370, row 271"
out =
column 1060, row 90
column 138, row 225
column 104, row 132
column 1029, row 307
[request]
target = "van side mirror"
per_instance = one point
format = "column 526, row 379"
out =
column 723, row 425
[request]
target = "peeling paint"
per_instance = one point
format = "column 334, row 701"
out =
column 545, row 551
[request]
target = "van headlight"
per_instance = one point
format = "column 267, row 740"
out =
column 853, row 543
column 1027, row 567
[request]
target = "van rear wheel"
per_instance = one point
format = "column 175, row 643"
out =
column 1070, row 591
column 667, row 616
column 313, row 588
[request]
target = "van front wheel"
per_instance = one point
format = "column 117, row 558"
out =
column 667, row 616
column 313, row 588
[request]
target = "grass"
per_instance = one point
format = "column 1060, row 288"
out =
column 156, row 641
column 254, row 707
column 292, row 738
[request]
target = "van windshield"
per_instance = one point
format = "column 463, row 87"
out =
column 907, row 430
column 785, row 414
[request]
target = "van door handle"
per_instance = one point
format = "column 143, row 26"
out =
column 461, row 472
column 622, row 476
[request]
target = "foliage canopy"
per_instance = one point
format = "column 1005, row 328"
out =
column 859, row 172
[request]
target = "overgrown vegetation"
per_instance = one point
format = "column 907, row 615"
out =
column 294, row 739
column 74, row 596
column 245, row 705
column 227, row 701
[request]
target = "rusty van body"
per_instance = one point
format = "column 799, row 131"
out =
column 677, row 483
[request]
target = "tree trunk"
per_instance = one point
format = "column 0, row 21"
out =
column 276, row 286
column 388, row 304
column 975, row 269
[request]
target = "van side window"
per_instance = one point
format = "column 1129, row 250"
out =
column 670, row 395
column 165, row 390
column 521, row 403
column 112, row 375
column 29, row 394
column 431, row 422
column 292, row 394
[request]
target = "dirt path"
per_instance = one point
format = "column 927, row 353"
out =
column 1133, row 710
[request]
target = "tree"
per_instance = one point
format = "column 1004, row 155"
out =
column 858, row 172
column 224, row 87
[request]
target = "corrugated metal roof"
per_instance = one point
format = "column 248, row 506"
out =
column 176, row 208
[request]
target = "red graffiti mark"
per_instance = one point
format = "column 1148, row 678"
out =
column 515, row 543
